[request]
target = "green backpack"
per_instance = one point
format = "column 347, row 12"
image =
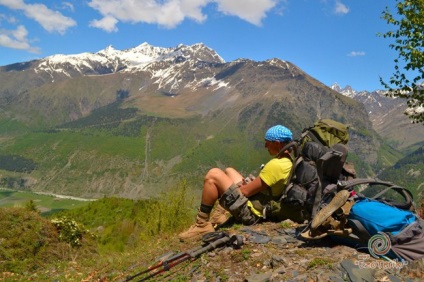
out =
column 327, row 132
column 304, row 191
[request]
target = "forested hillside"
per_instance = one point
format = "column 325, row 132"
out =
column 408, row 172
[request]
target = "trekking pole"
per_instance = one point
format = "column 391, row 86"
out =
column 167, row 258
column 163, row 263
column 213, row 240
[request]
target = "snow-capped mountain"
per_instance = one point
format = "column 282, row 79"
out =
column 182, row 89
column 196, row 74
column 347, row 90
column 375, row 102
column 387, row 115
column 93, row 80
column 110, row 60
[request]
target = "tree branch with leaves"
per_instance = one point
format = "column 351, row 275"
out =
column 408, row 75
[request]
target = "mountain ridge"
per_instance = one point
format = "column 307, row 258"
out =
column 188, row 109
column 387, row 115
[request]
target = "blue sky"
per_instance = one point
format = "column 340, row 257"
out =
column 331, row 40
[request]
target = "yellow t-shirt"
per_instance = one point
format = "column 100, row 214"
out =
column 275, row 174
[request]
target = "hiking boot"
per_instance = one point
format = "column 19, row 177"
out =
column 201, row 227
column 219, row 216
column 338, row 201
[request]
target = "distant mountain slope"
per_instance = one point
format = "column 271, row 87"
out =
column 126, row 122
column 408, row 172
column 387, row 117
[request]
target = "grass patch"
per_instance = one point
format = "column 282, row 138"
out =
column 120, row 223
column 318, row 262
column 29, row 242
column 44, row 203
column 90, row 236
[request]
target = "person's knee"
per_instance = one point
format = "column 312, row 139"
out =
column 229, row 171
column 213, row 174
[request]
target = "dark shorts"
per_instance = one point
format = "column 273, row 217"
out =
column 236, row 203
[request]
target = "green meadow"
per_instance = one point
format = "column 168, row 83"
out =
column 46, row 204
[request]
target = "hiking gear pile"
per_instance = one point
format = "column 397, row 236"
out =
column 386, row 224
column 319, row 162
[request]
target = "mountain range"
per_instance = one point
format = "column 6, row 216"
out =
column 387, row 116
column 132, row 122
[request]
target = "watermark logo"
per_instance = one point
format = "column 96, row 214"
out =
column 379, row 245
column 365, row 261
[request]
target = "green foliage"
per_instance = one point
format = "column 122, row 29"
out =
column 408, row 173
column 361, row 167
column 31, row 206
column 409, row 43
column 121, row 224
column 246, row 254
column 70, row 231
column 28, row 242
column 10, row 126
column 317, row 262
column 16, row 163
column 109, row 118
column 387, row 156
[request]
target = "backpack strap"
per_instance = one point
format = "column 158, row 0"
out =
column 408, row 204
column 359, row 230
column 289, row 184
column 348, row 184
column 308, row 132
column 406, row 194
column 294, row 156
column 292, row 148
column 327, row 159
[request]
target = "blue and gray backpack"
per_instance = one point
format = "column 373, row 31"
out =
column 386, row 223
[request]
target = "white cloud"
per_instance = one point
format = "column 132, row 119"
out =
column 252, row 11
column 50, row 20
column 69, row 6
column 164, row 13
column 108, row 24
column 170, row 13
column 340, row 8
column 16, row 39
column 356, row 53
column 13, row 4
column 9, row 19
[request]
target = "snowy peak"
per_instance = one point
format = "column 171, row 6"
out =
column 109, row 50
column 347, row 90
column 110, row 60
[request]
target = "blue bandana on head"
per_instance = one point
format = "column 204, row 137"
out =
column 278, row 133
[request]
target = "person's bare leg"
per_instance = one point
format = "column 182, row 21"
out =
column 215, row 178
column 234, row 175
column 216, row 182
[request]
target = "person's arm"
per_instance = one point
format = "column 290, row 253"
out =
column 253, row 187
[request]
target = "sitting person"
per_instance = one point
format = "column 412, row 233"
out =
column 235, row 194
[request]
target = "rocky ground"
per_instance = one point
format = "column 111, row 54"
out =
column 274, row 252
